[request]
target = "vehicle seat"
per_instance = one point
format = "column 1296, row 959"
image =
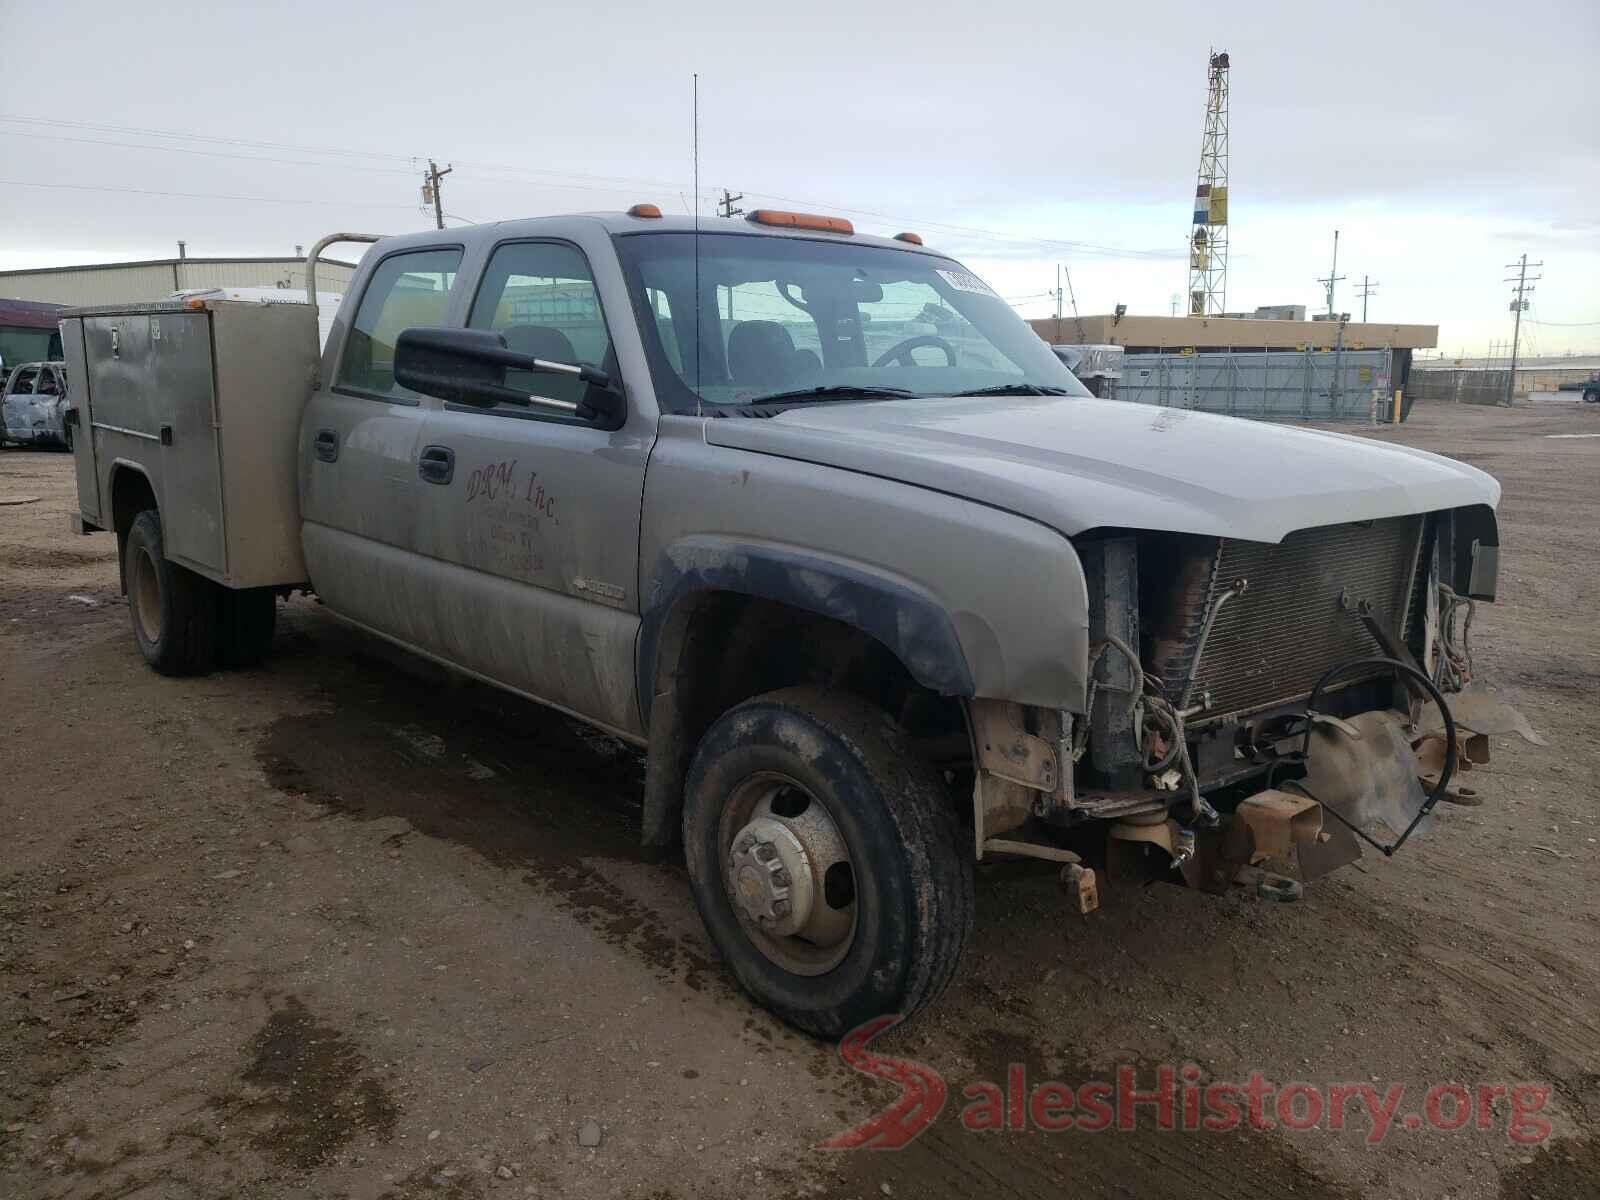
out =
column 541, row 341
column 761, row 353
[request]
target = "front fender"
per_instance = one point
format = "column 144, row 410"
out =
column 902, row 616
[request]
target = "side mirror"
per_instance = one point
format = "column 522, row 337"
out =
column 468, row 366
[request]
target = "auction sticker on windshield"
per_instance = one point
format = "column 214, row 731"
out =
column 965, row 281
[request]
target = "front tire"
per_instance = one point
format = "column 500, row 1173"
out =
column 826, row 860
column 174, row 610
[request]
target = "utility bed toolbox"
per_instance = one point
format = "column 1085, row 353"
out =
column 204, row 398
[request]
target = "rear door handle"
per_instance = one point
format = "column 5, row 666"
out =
column 437, row 464
column 327, row 445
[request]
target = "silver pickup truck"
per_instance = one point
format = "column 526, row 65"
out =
column 816, row 520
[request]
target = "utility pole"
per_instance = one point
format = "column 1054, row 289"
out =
column 1519, row 305
column 1367, row 289
column 1072, row 296
column 1333, row 273
column 431, row 191
column 725, row 206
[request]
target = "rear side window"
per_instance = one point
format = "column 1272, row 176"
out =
column 406, row 290
column 541, row 296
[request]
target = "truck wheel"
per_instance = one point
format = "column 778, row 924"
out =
column 174, row 610
column 826, row 860
column 247, row 619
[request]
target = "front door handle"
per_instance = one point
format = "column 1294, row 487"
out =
column 327, row 445
column 437, row 464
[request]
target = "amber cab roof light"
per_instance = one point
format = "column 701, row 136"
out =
column 914, row 238
column 796, row 220
column 649, row 211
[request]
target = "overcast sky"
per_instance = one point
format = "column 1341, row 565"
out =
column 1443, row 139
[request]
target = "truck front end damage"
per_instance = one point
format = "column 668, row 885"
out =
column 1254, row 712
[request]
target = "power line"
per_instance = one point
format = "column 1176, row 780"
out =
column 56, row 122
column 532, row 176
column 84, row 187
column 261, row 158
column 546, row 179
column 1563, row 324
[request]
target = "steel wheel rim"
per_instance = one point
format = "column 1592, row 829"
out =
column 809, row 865
column 147, row 595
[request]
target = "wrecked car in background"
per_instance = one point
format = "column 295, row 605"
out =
column 821, row 524
column 33, row 406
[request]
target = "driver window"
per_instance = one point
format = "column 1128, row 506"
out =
column 542, row 297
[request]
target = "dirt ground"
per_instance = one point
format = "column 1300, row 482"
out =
column 340, row 926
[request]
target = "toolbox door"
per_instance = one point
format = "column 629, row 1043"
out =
column 82, row 429
column 185, row 396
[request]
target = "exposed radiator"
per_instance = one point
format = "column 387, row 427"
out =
column 1269, row 646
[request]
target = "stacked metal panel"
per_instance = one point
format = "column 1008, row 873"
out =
column 1281, row 385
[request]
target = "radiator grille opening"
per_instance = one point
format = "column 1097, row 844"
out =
column 1269, row 646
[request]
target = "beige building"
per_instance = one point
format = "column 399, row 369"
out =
column 1151, row 334
column 154, row 279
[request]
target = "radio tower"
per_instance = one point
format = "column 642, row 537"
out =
column 1208, row 240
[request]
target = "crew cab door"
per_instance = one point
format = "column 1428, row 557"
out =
column 359, row 490
column 528, row 521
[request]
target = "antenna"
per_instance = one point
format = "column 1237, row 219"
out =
column 698, row 402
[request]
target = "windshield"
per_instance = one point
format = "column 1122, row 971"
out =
column 793, row 320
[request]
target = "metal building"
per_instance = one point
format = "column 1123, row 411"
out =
column 154, row 279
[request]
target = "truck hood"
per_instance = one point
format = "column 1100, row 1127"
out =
column 1077, row 464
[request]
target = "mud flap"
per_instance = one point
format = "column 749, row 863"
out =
column 1477, row 710
column 1364, row 770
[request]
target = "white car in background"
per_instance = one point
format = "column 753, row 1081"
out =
column 33, row 405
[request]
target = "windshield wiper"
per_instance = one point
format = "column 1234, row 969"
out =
column 836, row 391
column 1017, row 389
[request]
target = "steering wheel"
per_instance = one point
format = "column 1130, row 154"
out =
column 901, row 351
